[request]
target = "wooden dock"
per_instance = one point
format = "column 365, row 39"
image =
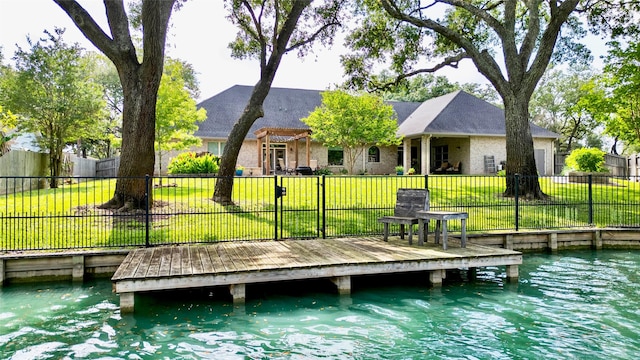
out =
column 236, row 264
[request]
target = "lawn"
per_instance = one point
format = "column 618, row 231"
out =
column 183, row 211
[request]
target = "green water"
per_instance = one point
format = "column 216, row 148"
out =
column 578, row 305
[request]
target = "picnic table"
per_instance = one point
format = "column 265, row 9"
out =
column 441, row 217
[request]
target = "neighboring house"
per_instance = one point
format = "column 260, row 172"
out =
column 457, row 127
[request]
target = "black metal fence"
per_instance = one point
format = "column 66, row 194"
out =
column 181, row 211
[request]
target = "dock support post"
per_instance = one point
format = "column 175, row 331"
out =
column 472, row 274
column 127, row 301
column 238, row 292
column 553, row 242
column 512, row 272
column 597, row 240
column 343, row 283
column 78, row 268
column 1, row 272
column 508, row 242
column 436, row 276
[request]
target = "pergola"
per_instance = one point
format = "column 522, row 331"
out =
column 281, row 135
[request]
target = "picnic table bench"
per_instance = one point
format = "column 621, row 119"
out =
column 408, row 203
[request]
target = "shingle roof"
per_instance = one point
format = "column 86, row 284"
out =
column 460, row 113
column 283, row 108
column 457, row 113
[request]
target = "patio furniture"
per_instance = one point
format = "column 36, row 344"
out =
column 304, row 170
column 455, row 169
column 292, row 167
column 443, row 167
column 313, row 164
column 441, row 217
column 408, row 203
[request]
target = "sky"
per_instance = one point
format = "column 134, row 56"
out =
column 199, row 35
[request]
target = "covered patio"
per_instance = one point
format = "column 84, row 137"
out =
column 269, row 153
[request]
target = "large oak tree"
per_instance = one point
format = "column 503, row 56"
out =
column 510, row 42
column 269, row 29
column 140, row 78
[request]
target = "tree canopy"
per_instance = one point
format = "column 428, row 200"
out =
column 54, row 96
column 353, row 123
column 509, row 42
column 623, row 81
column 569, row 102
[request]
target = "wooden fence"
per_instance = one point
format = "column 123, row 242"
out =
column 107, row 167
column 618, row 165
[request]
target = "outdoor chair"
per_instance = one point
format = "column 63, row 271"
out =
column 281, row 167
column 455, row 169
column 313, row 164
column 408, row 203
column 292, row 167
column 443, row 167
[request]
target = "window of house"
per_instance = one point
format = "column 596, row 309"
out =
column 216, row 147
column 335, row 156
column 374, row 154
column 441, row 154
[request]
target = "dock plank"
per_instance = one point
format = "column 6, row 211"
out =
column 186, row 265
column 279, row 254
column 154, row 264
column 226, row 259
column 216, row 261
column 205, row 259
column 165, row 262
column 144, row 262
column 176, row 262
column 196, row 260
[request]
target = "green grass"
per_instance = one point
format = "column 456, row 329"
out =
column 183, row 212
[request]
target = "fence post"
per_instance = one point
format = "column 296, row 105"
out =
column 590, row 199
column 517, row 199
column 147, row 183
column 323, row 184
column 275, row 198
column 426, row 181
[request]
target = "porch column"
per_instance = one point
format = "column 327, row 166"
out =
column 406, row 152
column 267, row 165
column 425, row 147
column 308, row 141
column 259, row 158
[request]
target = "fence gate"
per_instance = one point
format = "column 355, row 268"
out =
column 298, row 207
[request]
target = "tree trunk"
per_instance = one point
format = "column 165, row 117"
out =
column 252, row 112
column 520, row 154
column 137, row 157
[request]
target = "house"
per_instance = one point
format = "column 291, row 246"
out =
column 457, row 127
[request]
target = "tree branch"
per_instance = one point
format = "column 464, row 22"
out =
column 451, row 61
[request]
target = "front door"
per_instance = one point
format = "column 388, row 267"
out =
column 276, row 151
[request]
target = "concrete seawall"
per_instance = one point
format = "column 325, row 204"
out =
column 76, row 265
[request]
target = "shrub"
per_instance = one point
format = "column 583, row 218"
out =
column 190, row 163
column 586, row 159
column 323, row 171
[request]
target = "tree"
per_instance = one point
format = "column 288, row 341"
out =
column 140, row 82
column 422, row 87
column 54, row 96
column 509, row 42
column 176, row 112
column 624, row 84
column 7, row 119
column 353, row 123
column 568, row 102
column 267, row 31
